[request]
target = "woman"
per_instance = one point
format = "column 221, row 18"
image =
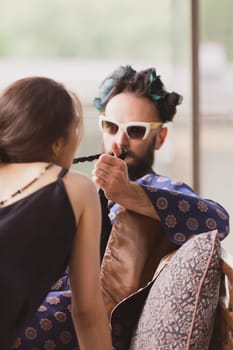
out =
column 46, row 212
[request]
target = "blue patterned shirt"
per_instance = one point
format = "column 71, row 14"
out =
column 181, row 210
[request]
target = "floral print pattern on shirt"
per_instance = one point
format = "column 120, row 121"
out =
column 182, row 211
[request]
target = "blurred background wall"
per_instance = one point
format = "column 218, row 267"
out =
column 78, row 42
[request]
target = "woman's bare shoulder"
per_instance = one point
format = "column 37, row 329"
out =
column 77, row 180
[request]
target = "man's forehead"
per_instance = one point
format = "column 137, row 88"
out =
column 128, row 106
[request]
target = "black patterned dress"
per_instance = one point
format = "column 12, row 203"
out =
column 36, row 235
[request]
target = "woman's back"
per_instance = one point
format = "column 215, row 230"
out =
column 36, row 235
column 46, row 223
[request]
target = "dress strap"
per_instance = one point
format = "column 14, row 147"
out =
column 62, row 172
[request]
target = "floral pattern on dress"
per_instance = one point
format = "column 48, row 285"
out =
column 52, row 327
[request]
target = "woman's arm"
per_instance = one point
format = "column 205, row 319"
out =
column 88, row 310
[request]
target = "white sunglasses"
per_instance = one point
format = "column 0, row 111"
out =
column 133, row 130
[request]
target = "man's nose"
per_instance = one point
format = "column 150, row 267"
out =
column 122, row 139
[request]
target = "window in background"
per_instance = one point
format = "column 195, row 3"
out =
column 79, row 42
column 216, row 103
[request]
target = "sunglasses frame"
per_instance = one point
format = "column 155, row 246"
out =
column 123, row 126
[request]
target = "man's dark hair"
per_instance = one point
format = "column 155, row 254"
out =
column 144, row 83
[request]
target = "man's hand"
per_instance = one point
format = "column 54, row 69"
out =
column 111, row 175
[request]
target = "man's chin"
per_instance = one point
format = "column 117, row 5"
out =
column 129, row 160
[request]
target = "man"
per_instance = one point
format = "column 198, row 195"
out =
column 151, row 214
column 128, row 98
column 134, row 109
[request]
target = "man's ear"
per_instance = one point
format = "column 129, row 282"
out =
column 161, row 137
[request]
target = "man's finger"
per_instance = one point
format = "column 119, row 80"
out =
column 116, row 149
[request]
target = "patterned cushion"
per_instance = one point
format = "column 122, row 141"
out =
column 180, row 307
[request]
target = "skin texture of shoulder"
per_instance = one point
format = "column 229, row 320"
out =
column 87, row 305
column 80, row 190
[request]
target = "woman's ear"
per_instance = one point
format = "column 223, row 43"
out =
column 57, row 147
column 161, row 138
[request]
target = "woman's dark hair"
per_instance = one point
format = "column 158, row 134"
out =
column 142, row 83
column 34, row 113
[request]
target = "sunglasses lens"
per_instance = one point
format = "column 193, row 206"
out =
column 110, row 128
column 136, row 132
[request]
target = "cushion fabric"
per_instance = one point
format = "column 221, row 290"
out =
column 180, row 308
column 135, row 247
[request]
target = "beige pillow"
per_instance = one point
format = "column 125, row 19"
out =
column 180, row 308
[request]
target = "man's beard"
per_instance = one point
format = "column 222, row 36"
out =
column 139, row 166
